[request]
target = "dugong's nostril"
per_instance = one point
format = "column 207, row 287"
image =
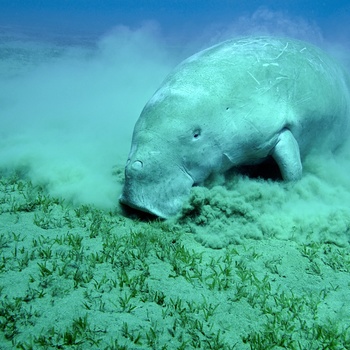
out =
column 137, row 165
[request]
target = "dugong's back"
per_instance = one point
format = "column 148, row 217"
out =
column 308, row 86
column 236, row 103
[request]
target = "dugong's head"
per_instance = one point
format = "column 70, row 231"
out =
column 174, row 147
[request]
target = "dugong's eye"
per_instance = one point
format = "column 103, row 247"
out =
column 196, row 134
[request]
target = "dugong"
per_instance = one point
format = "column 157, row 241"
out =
column 237, row 103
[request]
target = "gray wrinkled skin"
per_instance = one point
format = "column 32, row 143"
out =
column 234, row 104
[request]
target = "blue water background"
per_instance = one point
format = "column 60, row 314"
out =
column 179, row 20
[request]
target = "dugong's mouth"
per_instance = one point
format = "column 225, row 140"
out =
column 163, row 207
column 142, row 208
column 164, row 198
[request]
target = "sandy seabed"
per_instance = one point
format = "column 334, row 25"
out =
column 224, row 274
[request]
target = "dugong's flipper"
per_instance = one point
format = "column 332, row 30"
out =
column 287, row 156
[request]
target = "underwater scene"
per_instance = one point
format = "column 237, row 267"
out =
column 254, row 256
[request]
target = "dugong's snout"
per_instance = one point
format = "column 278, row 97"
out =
column 155, row 186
